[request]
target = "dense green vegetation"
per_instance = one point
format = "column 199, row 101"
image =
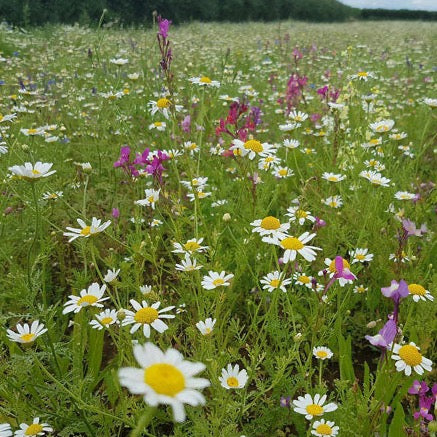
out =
column 37, row 12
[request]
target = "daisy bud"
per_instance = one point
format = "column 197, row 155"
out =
column 226, row 217
column 432, row 426
column 24, row 147
column 371, row 324
column 121, row 314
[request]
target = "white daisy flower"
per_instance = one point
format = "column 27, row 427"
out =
column 86, row 230
column 206, row 327
column 408, row 357
column 32, row 172
column 419, row 293
column 404, row 195
column 118, row 61
column 199, row 182
column 233, row 377
column 291, row 144
column 332, row 177
column 145, row 289
column 111, row 275
column 322, row 353
column 52, row 195
column 270, row 227
column 360, row 255
column 296, row 213
column 152, row 196
column 287, row 127
column 311, row 408
column 282, row 172
column 298, row 116
column 252, row 148
column 432, row 103
column 27, row 334
column 333, row 201
column 360, row 289
column 147, row 316
column 198, row 194
column 8, row 117
column 297, row 245
column 34, row 429
column 188, row 264
column 158, row 125
column 5, row 430
column 363, row 76
column 163, row 106
column 32, row 132
column 323, row 428
column 91, row 297
column 104, row 319
column 215, row 279
column 205, row 81
column 382, row 126
column 303, row 279
column 268, row 162
column 274, row 280
column 190, row 247
column 164, row 378
column 375, row 178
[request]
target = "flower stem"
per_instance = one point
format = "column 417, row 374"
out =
column 144, row 421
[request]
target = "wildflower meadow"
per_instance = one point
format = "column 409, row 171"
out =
column 218, row 230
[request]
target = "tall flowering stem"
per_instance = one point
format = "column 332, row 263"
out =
column 166, row 52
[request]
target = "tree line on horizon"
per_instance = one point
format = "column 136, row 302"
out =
column 140, row 12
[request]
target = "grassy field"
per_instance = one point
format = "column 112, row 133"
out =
column 276, row 179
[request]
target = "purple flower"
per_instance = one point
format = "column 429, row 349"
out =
column 115, row 212
column 418, row 388
column 396, row 290
column 385, row 336
column 186, row 124
column 124, row 157
column 164, row 25
column 342, row 271
column 424, row 405
column 285, row 402
column 411, row 230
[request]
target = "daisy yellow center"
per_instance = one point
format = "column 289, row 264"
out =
column 146, row 315
column 158, row 123
column 314, row 409
column 88, row 299
column 86, row 230
column 410, row 355
column 35, row 172
column 33, row 429
column 283, row 172
column 232, row 381
column 192, row 146
column 275, row 282
column 324, row 429
column 208, row 331
column 27, row 338
column 165, row 379
column 322, row 354
column 270, row 223
column 163, row 103
column 300, row 213
column 417, row 289
column 360, row 257
column 32, row 131
column 191, row 246
column 270, row 159
column 332, row 268
column 205, row 79
column 362, row 74
column 254, row 145
column 382, row 128
column 151, row 199
column 360, row 289
column 304, row 279
column 333, row 203
column 217, row 282
column 333, row 178
column 292, row 243
column 106, row 320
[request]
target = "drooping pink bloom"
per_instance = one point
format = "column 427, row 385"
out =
column 396, row 291
column 385, row 336
column 341, row 271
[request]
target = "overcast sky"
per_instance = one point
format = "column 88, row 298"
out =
column 426, row 5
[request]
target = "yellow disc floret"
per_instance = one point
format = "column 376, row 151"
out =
column 410, row 355
column 292, row 243
column 165, row 379
column 88, row 299
column 232, row 381
column 146, row 315
column 253, row 145
column 163, row 103
column 314, row 410
column 417, row 289
column 270, row 223
column 324, row 429
column 33, row 429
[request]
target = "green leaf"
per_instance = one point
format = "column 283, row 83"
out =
column 397, row 425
